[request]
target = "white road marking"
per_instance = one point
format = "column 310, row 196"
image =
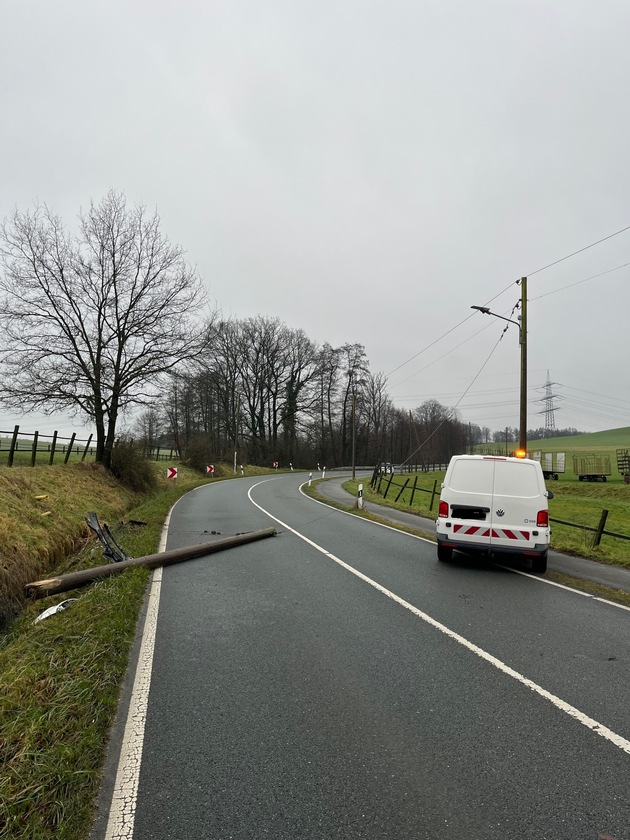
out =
column 585, row 720
column 590, row 595
column 537, row 578
column 122, row 811
column 123, row 805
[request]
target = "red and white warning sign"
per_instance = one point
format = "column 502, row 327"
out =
column 171, row 472
column 210, row 469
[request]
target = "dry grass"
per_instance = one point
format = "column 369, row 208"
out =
column 60, row 678
column 42, row 520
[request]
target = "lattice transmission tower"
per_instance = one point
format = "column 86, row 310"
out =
column 550, row 409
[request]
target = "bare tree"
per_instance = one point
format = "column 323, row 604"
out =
column 89, row 323
column 376, row 407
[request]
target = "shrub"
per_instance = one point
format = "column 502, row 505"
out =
column 131, row 468
column 198, row 453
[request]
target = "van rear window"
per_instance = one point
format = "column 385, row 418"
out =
column 516, row 479
column 511, row 478
column 472, row 476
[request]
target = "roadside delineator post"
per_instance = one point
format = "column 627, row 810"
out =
column 360, row 497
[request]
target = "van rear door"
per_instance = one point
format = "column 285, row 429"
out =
column 470, row 493
column 516, row 498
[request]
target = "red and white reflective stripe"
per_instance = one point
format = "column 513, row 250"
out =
column 493, row 533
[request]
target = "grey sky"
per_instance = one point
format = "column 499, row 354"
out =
column 365, row 171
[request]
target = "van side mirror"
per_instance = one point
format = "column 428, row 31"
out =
column 549, row 494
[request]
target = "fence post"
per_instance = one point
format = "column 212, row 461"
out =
column 34, row 449
column 391, row 476
column 600, row 528
column 69, row 449
column 433, row 494
column 413, row 490
column 13, row 445
column 402, row 490
column 87, row 446
column 52, row 448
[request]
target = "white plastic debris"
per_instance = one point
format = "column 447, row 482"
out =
column 57, row 608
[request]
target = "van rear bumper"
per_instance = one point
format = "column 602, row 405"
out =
column 536, row 550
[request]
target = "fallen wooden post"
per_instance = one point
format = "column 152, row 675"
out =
column 43, row 588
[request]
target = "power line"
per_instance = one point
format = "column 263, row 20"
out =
column 586, row 279
column 452, row 411
column 531, row 274
column 581, row 250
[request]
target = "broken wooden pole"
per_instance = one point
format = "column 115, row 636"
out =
column 43, row 588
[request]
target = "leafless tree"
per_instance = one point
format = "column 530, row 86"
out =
column 377, row 410
column 90, row 322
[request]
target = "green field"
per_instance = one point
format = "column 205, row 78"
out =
column 610, row 439
column 23, row 453
column 604, row 445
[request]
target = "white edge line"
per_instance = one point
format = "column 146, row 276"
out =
column 585, row 720
column 568, row 588
column 371, row 521
column 122, row 809
column 537, row 578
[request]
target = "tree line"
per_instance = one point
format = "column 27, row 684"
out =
column 111, row 321
column 267, row 393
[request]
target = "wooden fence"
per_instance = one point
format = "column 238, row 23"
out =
column 27, row 446
column 377, row 482
column 34, row 443
column 386, row 482
column 598, row 532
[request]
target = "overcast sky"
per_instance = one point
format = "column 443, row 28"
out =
column 363, row 170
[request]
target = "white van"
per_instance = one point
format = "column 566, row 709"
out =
column 494, row 505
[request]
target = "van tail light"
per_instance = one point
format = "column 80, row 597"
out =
column 443, row 509
column 542, row 518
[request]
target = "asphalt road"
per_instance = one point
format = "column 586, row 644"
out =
column 337, row 681
column 614, row 577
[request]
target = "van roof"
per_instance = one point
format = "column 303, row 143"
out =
column 496, row 458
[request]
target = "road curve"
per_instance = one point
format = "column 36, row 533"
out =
column 615, row 577
column 336, row 681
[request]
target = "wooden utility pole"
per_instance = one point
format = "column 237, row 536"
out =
column 354, row 434
column 522, row 442
column 62, row 583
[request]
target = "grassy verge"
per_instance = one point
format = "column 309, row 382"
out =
column 60, row 679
